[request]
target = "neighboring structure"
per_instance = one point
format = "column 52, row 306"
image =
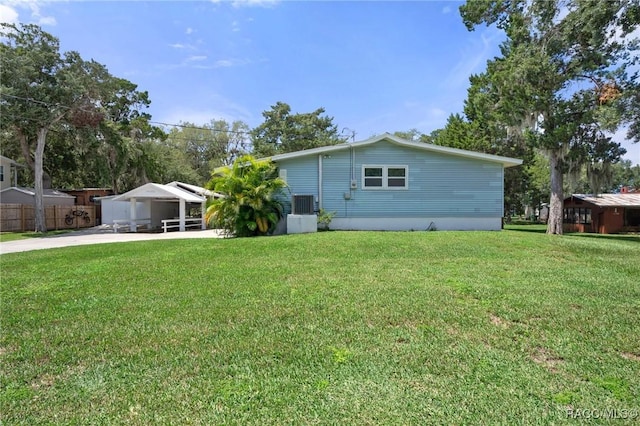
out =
column 388, row 183
column 172, row 206
column 20, row 195
column 87, row 197
column 602, row 214
column 8, row 172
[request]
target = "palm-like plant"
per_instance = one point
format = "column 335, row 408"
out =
column 250, row 204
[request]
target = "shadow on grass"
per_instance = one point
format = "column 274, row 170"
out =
column 617, row 237
column 14, row 236
column 530, row 227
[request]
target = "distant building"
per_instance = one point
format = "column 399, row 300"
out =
column 602, row 214
column 8, row 172
column 20, row 195
column 87, row 197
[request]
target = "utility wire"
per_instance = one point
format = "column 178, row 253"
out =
column 184, row 126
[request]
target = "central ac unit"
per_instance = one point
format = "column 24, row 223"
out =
column 302, row 204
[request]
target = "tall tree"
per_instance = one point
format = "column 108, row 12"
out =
column 39, row 88
column 565, row 66
column 45, row 92
column 283, row 131
column 211, row 145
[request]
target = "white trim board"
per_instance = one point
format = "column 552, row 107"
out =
column 416, row 224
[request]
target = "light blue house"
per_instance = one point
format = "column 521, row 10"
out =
column 388, row 183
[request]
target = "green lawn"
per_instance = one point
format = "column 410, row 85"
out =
column 330, row 328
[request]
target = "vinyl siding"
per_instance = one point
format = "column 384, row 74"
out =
column 302, row 178
column 439, row 185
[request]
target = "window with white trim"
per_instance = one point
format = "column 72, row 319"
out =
column 385, row 177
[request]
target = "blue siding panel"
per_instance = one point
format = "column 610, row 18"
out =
column 439, row 185
column 302, row 177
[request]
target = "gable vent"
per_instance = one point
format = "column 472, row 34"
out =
column 302, row 204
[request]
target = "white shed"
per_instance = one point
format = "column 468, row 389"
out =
column 119, row 211
column 165, row 206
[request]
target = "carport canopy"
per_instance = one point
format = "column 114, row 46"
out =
column 156, row 191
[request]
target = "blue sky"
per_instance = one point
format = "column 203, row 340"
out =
column 374, row 66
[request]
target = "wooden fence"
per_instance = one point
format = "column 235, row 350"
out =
column 21, row 217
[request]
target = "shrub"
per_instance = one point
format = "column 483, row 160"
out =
column 249, row 205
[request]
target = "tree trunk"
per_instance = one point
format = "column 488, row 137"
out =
column 26, row 153
column 41, row 225
column 554, row 223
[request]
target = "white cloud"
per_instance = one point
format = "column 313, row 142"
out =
column 224, row 63
column 473, row 59
column 225, row 110
column 425, row 117
column 182, row 46
column 8, row 15
column 189, row 30
column 37, row 16
column 9, row 12
column 256, row 3
column 446, row 10
column 47, row 20
column 235, row 26
column 200, row 62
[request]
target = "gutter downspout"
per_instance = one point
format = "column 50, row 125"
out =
column 319, row 181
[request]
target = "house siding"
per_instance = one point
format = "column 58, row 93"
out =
column 439, row 185
column 302, row 178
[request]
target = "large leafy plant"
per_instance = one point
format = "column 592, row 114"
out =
column 249, row 205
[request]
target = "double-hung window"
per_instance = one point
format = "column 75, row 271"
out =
column 385, row 177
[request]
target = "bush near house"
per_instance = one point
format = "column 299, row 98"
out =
column 249, row 205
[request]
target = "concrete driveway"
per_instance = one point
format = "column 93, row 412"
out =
column 97, row 235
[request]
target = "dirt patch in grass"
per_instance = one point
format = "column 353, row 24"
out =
column 499, row 322
column 631, row 356
column 547, row 359
column 44, row 381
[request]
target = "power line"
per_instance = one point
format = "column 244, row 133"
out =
column 183, row 126
column 169, row 136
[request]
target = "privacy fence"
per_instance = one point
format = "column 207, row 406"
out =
column 21, row 217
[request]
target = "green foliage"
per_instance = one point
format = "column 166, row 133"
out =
column 249, row 205
column 200, row 149
column 412, row 135
column 563, row 79
column 285, row 132
column 324, row 219
column 93, row 131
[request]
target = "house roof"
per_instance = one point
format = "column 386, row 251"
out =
column 610, row 200
column 10, row 161
column 32, row 192
column 505, row 161
column 158, row 191
column 7, row 159
column 194, row 189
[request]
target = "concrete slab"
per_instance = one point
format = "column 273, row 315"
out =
column 98, row 235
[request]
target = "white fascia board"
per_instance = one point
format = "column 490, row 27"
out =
column 505, row 161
